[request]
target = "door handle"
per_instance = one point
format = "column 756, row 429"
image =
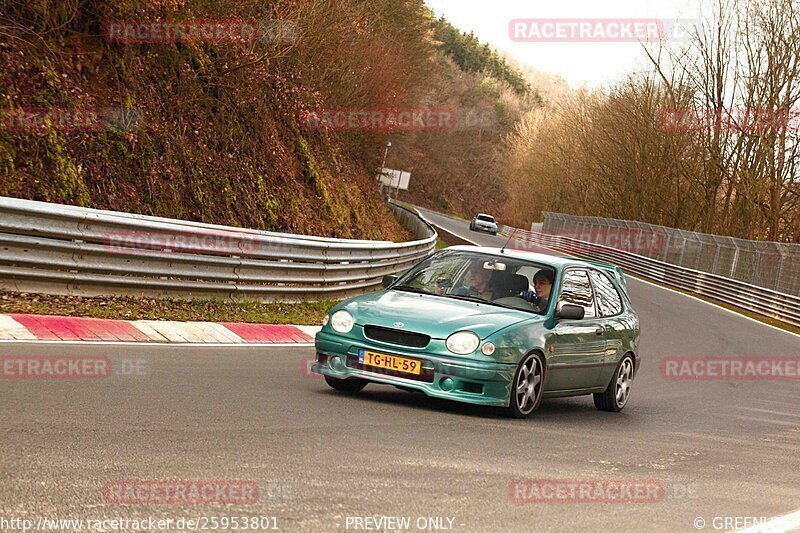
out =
column 599, row 330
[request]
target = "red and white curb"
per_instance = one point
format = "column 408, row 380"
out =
column 22, row 327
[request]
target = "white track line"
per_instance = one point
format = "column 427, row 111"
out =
column 654, row 285
column 445, row 229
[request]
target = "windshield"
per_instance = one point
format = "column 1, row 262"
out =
column 485, row 218
column 483, row 278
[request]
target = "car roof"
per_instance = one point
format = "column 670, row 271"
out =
column 483, row 215
column 552, row 260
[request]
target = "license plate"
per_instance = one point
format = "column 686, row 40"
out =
column 390, row 362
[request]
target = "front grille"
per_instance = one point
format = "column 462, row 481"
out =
column 396, row 336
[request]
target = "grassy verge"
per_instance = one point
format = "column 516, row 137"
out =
column 130, row 308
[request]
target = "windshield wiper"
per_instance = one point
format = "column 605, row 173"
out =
column 409, row 288
column 479, row 300
column 469, row 298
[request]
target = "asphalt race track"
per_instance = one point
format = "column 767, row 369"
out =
column 324, row 459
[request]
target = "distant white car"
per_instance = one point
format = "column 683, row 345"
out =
column 483, row 222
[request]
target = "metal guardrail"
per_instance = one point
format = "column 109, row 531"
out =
column 772, row 265
column 62, row 249
column 784, row 307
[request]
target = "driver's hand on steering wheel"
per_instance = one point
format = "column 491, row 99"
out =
column 443, row 285
column 530, row 296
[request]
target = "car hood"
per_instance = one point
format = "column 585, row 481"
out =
column 436, row 316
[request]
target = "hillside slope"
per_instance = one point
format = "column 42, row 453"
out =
column 207, row 131
column 217, row 130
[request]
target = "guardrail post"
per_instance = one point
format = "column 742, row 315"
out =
column 735, row 261
column 755, row 269
column 779, row 273
column 716, row 257
column 667, row 245
column 683, row 250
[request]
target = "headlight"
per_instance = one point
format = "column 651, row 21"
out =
column 462, row 342
column 342, row 321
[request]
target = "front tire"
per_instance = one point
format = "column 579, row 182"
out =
column 346, row 385
column 619, row 389
column 527, row 387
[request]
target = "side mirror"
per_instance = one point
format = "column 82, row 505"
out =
column 569, row 311
column 389, row 280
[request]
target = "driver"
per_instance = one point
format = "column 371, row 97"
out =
column 542, row 285
column 477, row 282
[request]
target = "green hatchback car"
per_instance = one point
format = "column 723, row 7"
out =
column 488, row 326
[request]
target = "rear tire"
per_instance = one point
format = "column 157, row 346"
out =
column 619, row 389
column 346, row 385
column 527, row 387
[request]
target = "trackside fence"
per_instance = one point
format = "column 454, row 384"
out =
column 765, row 301
column 772, row 265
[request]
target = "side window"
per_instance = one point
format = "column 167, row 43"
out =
column 577, row 290
column 608, row 299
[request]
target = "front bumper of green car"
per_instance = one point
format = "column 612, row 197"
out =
column 443, row 375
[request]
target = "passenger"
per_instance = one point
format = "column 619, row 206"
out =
column 542, row 285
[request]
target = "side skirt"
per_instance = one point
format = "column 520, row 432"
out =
column 572, row 392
